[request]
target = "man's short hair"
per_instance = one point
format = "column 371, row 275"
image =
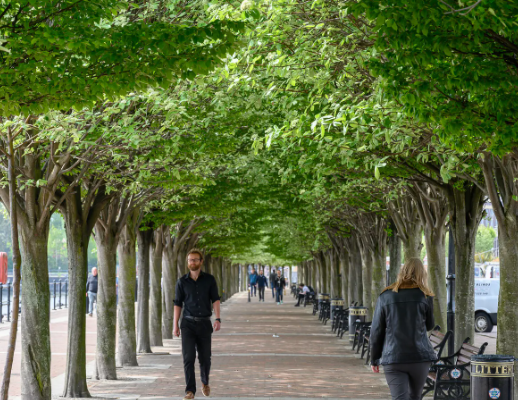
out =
column 301, row 284
column 195, row 251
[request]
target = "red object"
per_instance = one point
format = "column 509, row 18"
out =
column 3, row 268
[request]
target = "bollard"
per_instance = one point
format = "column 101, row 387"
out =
column 54, row 295
column 337, row 304
column 60, row 284
column 492, row 377
column 356, row 314
column 321, row 298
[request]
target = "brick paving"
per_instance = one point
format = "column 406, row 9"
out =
column 304, row 361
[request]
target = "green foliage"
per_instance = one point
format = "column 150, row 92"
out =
column 64, row 54
column 484, row 244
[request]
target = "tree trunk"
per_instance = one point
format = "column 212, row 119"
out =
column 170, row 274
column 127, row 340
column 11, row 205
column 77, row 245
column 466, row 213
column 155, row 303
column 367, row 262
column 35, row 317
column 435, row 240
column 106, row 304
column 405, row 216
column 336, row 284
column 502, row 186
column 345, row 272
column 356, row 272
column 144, row 241
column 379, row 270
column 413, row 245
column 395, row 254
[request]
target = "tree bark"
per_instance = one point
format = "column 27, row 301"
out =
column 355, row 271
column 17, row 265
column 379, row 265
column 35, row 317
column 155, row 303
column 170, row 276
column 144, row 242
column 502, row 187
column 367, row 262
column 77, row 246
column 127, row 339
column 345, row 272
column 106, row 304
column 395, row 254
column 466, row 207
column 405, row 216
column 433, row 209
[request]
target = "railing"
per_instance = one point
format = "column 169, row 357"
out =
column 58, row 297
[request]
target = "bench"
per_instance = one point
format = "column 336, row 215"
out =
column 449, row 377
column 359, row 329
column 338, row 320
column 325, row 311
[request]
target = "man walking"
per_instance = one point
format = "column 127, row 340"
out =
column 91, row 291
column 197, row 293
column 253, row 283
column 262, row 282
column 279, row 286
column 273, row 275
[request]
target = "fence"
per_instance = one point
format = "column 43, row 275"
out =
column 58, row 297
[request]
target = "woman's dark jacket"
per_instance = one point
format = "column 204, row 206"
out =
column 399, row 327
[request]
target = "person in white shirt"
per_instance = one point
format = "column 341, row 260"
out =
column 303, row 289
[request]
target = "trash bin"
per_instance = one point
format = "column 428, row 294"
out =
column 356, row 314
column 337, row 304
column 492, row 377
column 321, row 298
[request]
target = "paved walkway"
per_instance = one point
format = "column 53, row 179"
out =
column 264, row 351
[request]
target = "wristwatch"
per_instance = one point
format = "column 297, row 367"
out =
column 219, row 320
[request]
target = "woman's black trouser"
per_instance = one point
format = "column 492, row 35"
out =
column 406, row 381
column 196, row 336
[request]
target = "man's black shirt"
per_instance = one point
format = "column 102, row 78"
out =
column 196, row 296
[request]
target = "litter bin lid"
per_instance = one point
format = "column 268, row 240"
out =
column 492, row 358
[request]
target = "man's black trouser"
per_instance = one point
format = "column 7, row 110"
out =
column 261, row 293
column 196, row 336
column 406, row 381
column 301, row 299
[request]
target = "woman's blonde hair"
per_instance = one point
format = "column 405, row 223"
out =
column 413, row 271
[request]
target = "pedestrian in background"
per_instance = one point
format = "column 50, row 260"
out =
column 398, row 338
column 273, row 275
column 280, row 282
column 253, row 282
column 91, row 291
column 262, row 283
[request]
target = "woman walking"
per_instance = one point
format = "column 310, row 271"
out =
column 399, row 339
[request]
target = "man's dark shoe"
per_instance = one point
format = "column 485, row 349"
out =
column 297, row 305
column 189, row 396
column 205, row 389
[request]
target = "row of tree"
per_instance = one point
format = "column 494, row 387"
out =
column 317, row 134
